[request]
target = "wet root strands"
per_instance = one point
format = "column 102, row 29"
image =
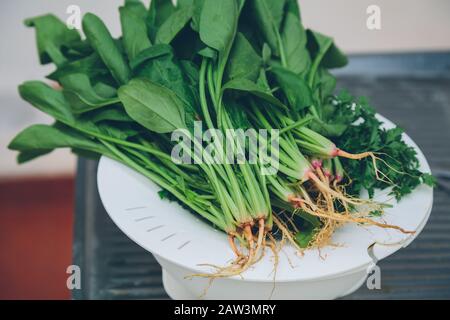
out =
column 322, row 196
column 251, row 251
column 334, row 209
column 325, row 206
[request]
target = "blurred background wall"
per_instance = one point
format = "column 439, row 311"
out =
column 36, row 200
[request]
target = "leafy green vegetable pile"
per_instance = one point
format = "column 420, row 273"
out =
column 232, row 64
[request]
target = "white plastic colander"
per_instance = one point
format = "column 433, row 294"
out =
column 181, row 242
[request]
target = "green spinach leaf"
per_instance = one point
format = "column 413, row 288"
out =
column 295, row 88
column 324, row 53
column 174, row 24
column 153, row 106
column 167, row 71
column 218, row 26
column 247, row 86
column 114, row 113
column 47, row 100
column 244, row 61
column 198, row 7
column 134, row 29
column 51, row 35
column 91, row 65
column 42, row 138
column 153, row 52
column 294, row 40
column 268, row 15
column 160, row 11
column 103, row 43
column 81, row 95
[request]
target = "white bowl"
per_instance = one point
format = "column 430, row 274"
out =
column 181, row 242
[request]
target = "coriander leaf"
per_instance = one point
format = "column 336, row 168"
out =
column 399, row 161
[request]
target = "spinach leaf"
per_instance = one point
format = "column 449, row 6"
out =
column 110, row 129
column 137, row 7
column 153, row 106
column 114, row 113
column 42, row 138
column 324, row 51
column 191, row 72
column 247, row 86
column 244, row 61
column 48, row 100
column 167, row 71
column 134, row 28
column 305, row 235
column 91, row 65
column 53, row 103
column 266, row 54
column 105, row 90
column 187, row 43
column 198, row 7
column 174, row 24
column 29, row 155
column 209, row 53
column 80, row 94
column 262, row 81
column 295, row 88
column 268, row 15
column 237, row 114
column 292, row 7
column 160, row 11
column 294, row 40
column 103, row 43
column 76, row 50
column 218, row 24
column 153, row 52
column 324, row 85
column 51, row 35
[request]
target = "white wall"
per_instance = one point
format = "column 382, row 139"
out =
column 407, row 25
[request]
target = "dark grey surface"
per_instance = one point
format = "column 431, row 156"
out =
column 113, row 267
column 419, row 101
